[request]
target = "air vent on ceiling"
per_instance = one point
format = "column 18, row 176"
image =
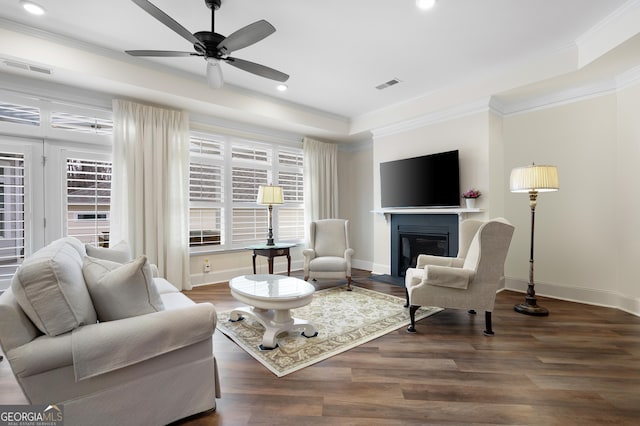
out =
column 389, row 83
column 27, row 67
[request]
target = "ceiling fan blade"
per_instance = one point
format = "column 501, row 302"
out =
column 167, row 53
column 246, row 36
column 257, row 69
column 169, row 22
column 214, row 73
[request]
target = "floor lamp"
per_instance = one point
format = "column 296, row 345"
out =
column 533, row 179
column 270, row 195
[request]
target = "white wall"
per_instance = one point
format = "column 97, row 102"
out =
column 583, row 229
column 355, row 173
column 227, row 265
column 468, row 134
column 587, row 234
column 627, row 202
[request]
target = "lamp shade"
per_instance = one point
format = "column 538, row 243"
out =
column 270, row 194
column 534, row 178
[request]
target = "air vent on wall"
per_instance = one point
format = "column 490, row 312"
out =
column 27, row 67
column 389, row 83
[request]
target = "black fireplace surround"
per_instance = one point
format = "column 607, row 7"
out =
column 415, row 234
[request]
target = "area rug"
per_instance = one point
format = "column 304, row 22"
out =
column 344, row 320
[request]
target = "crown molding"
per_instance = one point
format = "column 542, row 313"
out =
column 604, row 87
column 563, row 97
column 611, row 19
column 628, row 78
column 481, row 105
column 503, row 108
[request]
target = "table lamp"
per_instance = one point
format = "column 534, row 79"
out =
column 270, row 195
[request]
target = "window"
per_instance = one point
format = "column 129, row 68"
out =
column 291, row 214
column 19, row 114
column 206, row 192
column 11, row 213
column 81, row 123
column 55, row 176
column 88, row 200
column 225, row 174
column 250, row 168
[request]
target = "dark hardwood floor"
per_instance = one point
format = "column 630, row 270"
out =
column 578, row 366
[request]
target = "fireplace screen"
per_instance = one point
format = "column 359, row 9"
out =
column 412, row 245
column 416, row 234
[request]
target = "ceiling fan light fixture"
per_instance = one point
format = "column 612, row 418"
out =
column 214, row 73
column 425, row 4
column 32, row 8
column 282, row 87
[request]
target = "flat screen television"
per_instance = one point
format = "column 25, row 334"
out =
column 429, row 181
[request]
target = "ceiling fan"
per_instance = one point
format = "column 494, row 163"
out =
column 214, row 47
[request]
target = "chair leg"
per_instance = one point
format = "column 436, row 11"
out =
column 406, row 294
column 348, row 283
column 412, row 315
column 306, row 277
column 487, row 320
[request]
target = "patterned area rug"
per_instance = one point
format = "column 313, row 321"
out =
column 343, row 319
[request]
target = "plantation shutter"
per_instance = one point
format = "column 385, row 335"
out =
column 88, row 200
column 250, row 169
column 290, row 178
column 206, row 192
column 12, row 226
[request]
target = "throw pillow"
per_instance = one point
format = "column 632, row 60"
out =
column 50, row 288
column 118, row 253
column 121, row 290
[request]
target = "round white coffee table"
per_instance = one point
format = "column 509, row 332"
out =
column 270, row 298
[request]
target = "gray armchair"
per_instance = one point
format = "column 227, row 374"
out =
column 468, row 281
column 329, row 254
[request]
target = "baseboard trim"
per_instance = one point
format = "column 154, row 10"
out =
column 221, row 276
column 362, row 264
column 588, row 296
column 380, row 269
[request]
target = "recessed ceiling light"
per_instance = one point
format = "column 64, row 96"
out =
column 425, row 4
column 31, row 7
column 282, row 87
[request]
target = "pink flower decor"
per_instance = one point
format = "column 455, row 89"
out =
column 471, row 193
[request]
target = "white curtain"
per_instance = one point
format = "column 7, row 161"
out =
column 150, row 192
column 320, row 180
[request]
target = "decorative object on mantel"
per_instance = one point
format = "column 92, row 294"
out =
column 533, row 179
column 470, row 197
column 270, row 195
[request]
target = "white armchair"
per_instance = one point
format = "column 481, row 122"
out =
column 329, row 254
column 468, row 281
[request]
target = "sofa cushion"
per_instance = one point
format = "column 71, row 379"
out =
column 50, row 289
column 121, row 290
column 120, row 252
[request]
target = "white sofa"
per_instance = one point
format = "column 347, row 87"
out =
column 149, row 362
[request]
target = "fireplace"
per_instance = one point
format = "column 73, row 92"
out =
column 415, row 234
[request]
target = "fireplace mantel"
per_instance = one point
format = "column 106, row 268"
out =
column 460, row 211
